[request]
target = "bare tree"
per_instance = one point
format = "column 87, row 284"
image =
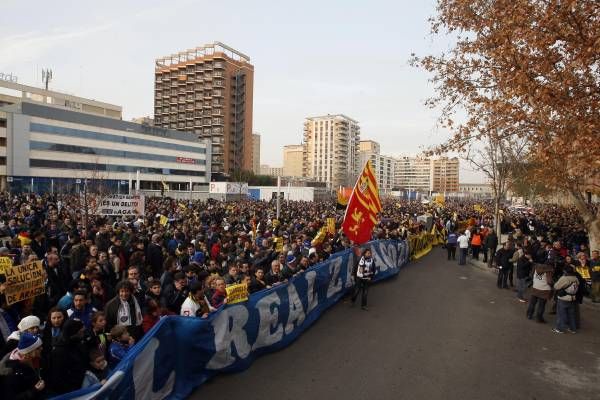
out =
column 499, row 158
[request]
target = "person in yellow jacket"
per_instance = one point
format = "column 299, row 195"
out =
column 595, row 267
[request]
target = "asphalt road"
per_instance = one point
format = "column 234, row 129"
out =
column 436, row 331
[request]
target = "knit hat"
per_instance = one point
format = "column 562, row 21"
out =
column 28, row 322
column 28, row 343
column 290, row 259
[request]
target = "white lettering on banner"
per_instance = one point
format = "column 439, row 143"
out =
column 296, row 312
column 268, row 310
column 313, row 300
column 227, row 334
column 335, row 284
column 143, row 375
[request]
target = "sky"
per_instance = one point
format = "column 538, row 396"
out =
column 310, row 58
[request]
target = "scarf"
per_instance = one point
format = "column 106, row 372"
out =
column 126, row 310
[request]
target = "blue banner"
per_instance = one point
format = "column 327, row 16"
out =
column 181, row 353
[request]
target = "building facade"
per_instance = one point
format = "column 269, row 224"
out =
column 292, row 160
column 383, row 166
column 444, row 175
column 439, row 175
column 369, row 146
column 271, row 171
column 53, row 149
column 413, row 174
column 256, row 153
column 208, row 91
column 15, row 93
column 476, row 190
column 331, row 150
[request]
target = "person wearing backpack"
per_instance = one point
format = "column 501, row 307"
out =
column 566, row 294
column 541, row 291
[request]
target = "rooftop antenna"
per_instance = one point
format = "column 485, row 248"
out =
column 46, row 76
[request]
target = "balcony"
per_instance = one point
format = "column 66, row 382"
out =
column 219, row 65
column 217, row 111
column 219, row 83
column 217, row 149
column 173, row 100
column 217, row 93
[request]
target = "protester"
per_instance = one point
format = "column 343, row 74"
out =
column 566, row 287
column 541, row 292
column 524, row 265
column 124, row 310
column 19, row 377
column 68, row 359
column 451, row 243
column 97, row 371
column 120, row 344
column 463, row 245
column 364, row 275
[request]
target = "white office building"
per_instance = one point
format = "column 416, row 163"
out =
column 50, row 148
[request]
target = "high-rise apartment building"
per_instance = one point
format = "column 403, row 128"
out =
column 427, row 174
column 256, row 153
column 208, row 91
column 292, row 160
column 383, row 166
column 444, row 175
column 331, row 149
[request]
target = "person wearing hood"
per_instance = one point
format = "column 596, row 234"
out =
column 68, row 359
column 29, row 324
column 19, row 378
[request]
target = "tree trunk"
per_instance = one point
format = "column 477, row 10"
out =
column 497, row 217
column 591, row 222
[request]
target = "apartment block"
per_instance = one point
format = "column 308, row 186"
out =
column 383, row 166
column 292, row 160
column 444, row 175
column 427, row 174
column 331, row 149
column 256, row 153
column 208, row 91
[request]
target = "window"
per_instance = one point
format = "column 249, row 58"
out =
column 78, row 133
column 35, row 163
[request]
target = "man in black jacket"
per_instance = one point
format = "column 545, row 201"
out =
column 491, row 244
column 68, row 360
column 504, row 264
column 524, row 264
column 56, row 285
column 154, row 256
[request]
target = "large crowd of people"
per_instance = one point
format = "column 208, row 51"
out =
column 109, row 280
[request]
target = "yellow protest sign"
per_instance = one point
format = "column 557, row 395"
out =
column 331, row 225
column 478, row 208
column 278, row 244
column 164, row 220
column 5, row 262
column 237, row 293
column 24, row 282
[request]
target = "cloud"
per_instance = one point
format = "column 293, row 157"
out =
column 32, row 45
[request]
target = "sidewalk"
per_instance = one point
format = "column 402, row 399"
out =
column 483, row 266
